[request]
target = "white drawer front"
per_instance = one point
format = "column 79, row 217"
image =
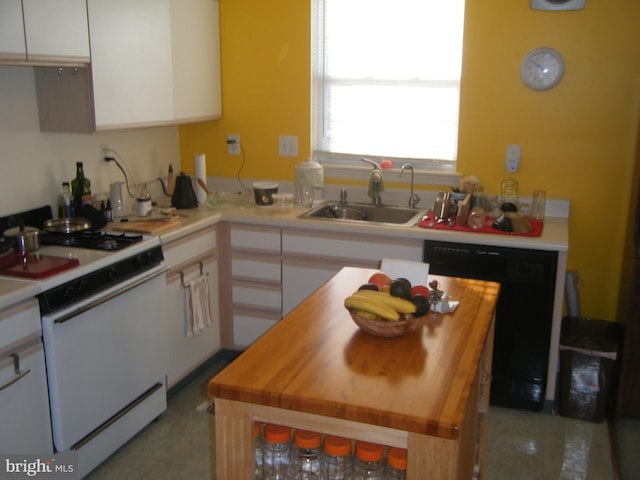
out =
column 255, row 238
column 247, row 328
column 19, row 321
column 256, row 269
column 257, row 296
column 184, row 249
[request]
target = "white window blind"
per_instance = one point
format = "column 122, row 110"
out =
column 387, row 79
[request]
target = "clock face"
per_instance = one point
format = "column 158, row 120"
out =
column 542, row 68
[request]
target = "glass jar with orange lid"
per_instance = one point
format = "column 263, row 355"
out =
column 337, row 459
column 396, row 464
column 277, row 452
column 305, row 459
column 369, row 462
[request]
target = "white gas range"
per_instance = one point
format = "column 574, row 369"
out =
column 105, row 339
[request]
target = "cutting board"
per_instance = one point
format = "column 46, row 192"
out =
column 34, row 265
column 148, row 225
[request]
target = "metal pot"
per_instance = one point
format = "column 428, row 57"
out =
column 67, row 225
column 26, row 239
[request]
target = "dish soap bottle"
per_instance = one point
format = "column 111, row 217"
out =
column 80, row 188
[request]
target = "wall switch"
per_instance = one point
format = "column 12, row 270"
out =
column 233, row 144
column 288, row 145
column 513, row 158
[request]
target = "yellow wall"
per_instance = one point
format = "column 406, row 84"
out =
column 577, row 139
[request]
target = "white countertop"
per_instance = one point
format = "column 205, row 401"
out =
column 555, row 234
column 13, row 291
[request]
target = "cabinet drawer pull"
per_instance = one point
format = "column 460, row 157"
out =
column 16, row 368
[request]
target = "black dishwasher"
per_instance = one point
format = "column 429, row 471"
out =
column 523, row 316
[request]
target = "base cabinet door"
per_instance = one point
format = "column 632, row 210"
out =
column 189, row 259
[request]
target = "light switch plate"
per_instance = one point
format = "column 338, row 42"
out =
column 512, row 161
column 288, row 145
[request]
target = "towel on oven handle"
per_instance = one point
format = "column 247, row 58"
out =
column 198, row 303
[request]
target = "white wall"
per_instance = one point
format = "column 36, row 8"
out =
column 33, row 165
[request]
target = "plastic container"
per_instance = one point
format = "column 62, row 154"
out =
column 369, row 462
column 65, row 202
column 277, row 452
column 337, row 459
column 305, row 460
column 143, row 202
column 588, row 355
column 309, row 175
column 396, row 464
column 258, row 456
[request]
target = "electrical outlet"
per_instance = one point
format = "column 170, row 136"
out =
column 104, row 151
column 288, row 145
column 512, row 161
column 233, row 144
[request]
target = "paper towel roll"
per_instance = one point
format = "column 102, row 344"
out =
column 201, row 173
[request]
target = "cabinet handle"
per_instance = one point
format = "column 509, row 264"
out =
column 16, row 368
column 485, row 378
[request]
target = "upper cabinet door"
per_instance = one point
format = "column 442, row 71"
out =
column 56, row 31
column 12, row 46
column 195, row 30
column 131, row 62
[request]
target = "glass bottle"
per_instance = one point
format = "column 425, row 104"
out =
column 80, row 188
column 396, row 468
column 143, row 201
column 65, row 202
column 259, row 452
column 337, row 461
column 305, row 459
column 277, row 452
column 369, row 462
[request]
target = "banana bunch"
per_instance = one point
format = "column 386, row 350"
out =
column 371, row 304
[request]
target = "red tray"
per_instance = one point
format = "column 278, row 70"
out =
column 536, row 226
column 34, row 265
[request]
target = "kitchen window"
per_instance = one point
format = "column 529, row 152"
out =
column 386, row 81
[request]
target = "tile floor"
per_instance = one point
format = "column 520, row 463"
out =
column 521, row 445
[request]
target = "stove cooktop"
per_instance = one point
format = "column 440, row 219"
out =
column 92, row 240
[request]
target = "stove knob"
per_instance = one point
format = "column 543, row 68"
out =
column 112, row 274
column 81, row 286
column 69, row 291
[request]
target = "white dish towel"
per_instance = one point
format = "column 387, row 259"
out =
column 198, row 303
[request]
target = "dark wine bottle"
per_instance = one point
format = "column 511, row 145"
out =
column 80, row 188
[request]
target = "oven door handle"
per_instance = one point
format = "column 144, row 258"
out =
column 16, row 368
column 111, row 296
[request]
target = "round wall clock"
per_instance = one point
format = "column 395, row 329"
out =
column 557, row 4
column 542, row 68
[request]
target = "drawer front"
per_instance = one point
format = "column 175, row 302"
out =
column 248, row 327
column 352, row 247
column 19, row 321
column 267, row 270
column 255, row 238
column 184, row 249
column 261, row 296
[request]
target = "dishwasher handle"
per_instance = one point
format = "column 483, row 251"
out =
column 19, row 375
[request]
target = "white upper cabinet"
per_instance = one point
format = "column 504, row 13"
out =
column 43, row 32
column 131, row 62
column 153, row 62
column 56, row 30
column 12, row 41
column 195, row 33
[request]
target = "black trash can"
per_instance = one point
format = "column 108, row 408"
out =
column 588, row 367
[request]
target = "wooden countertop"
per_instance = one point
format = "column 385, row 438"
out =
column 316, row 360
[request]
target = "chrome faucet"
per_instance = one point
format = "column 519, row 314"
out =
column 376, row 184
column 414, row 198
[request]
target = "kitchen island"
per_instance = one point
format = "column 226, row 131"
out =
column 316, row 370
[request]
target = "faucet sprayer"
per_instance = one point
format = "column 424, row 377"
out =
column 376, row 183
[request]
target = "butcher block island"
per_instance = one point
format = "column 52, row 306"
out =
column 316, row 370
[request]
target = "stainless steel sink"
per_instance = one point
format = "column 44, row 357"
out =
column 364, row 212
